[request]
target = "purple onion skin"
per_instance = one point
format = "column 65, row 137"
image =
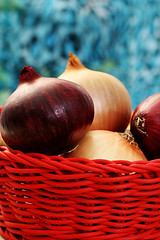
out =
column 145, row 126
column 45, row 115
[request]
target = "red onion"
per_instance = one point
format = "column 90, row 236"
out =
column 45, row 115
column 2, row 143
column 145, row 126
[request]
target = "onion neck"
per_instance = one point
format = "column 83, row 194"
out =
column 74, row 63
column 28, row 75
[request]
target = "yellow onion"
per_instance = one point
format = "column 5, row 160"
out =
column 104, row 144
column 2, row 143
column 112, row 103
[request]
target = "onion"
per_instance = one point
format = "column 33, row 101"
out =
column 111, row 99
column 2, row 143
column 145, row 126
column 46, row 115
column 104, row 144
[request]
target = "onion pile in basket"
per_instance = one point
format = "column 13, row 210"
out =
column 82, row 113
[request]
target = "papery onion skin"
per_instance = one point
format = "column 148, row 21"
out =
column 104, row 144
column 45, row 115
column 145, row 126
column 111, row 99
column 2, row 143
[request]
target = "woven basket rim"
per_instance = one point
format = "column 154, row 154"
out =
column 77, row 164
column 86, row 198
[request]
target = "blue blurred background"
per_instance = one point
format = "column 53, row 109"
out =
column 121, row 37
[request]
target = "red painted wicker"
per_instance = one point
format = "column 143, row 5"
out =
column 55, row 198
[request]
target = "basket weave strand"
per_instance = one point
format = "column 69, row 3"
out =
column 51, row 197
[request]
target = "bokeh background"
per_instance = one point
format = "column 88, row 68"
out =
column 120, row 37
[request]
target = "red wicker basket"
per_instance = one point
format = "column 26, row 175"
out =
column 55, row 198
